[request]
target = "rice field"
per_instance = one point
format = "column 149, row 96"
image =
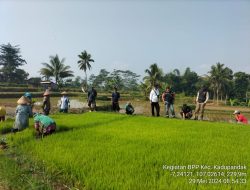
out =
column 115, row 151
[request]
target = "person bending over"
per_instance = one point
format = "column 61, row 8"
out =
column 239, row 118
column 44, row 125
column 186, row 112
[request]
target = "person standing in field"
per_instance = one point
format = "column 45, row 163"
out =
column 92, row 99
column 239, row 118
column 201, row 100
column 154, row 100
column 29, row 98
column 115, row 100
column 44, row 125
column 64, row 103
column 2, row 113
column 46, row 102
column 23, row 113
column 168, row 99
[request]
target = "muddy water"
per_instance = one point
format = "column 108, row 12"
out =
column 76, row 104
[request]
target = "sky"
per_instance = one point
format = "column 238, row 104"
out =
column 126, row 34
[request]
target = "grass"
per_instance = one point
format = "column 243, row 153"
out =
column 113, row 151
column 17, row 172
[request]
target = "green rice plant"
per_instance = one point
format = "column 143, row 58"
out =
column 114, row 151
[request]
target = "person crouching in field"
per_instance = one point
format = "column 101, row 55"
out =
column 44, row 125
column 239, row 118
column 186, row 112
column 201, row 100
column 129, row 109
column 64, row 103
column 115, row 100
column 168, row 100
column 2, row 113
column 23, row 113
column 154, row 100
column 46, row 102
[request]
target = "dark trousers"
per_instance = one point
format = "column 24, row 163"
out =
column 2, row 118
column 155, row 105
column 46, row 111
column 64, row 110
column 115, row 106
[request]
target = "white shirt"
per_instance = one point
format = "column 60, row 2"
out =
column 154, row 94
column 64, row 102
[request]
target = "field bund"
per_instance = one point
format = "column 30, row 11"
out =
column 115, row 151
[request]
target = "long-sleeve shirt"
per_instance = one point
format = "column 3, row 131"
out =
column 64, row 102
column 22, row 117
column 154, row 95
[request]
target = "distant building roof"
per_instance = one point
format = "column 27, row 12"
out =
column 46, row 82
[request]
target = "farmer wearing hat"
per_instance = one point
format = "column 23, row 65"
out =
column 115, row 100
column 2, row 113
column 22, row 114
column 46, row 102
column 44, row 125
column 64, row 103
column 239, row 118
column 29, row 98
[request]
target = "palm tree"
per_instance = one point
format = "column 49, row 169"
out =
column 85, row 63
column 219, row 78
column 55, row 68
column 155, row 74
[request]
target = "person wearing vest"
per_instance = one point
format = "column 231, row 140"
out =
column 201, row 100
column 168, row 100
column 154, row 100
column 64, row 103
column 115, row 100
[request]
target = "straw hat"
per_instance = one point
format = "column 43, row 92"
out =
column 64, row 92
column 22, row 100
column 46, row 93
column 236, row 112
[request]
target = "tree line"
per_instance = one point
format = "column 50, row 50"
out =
column 222, row 82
